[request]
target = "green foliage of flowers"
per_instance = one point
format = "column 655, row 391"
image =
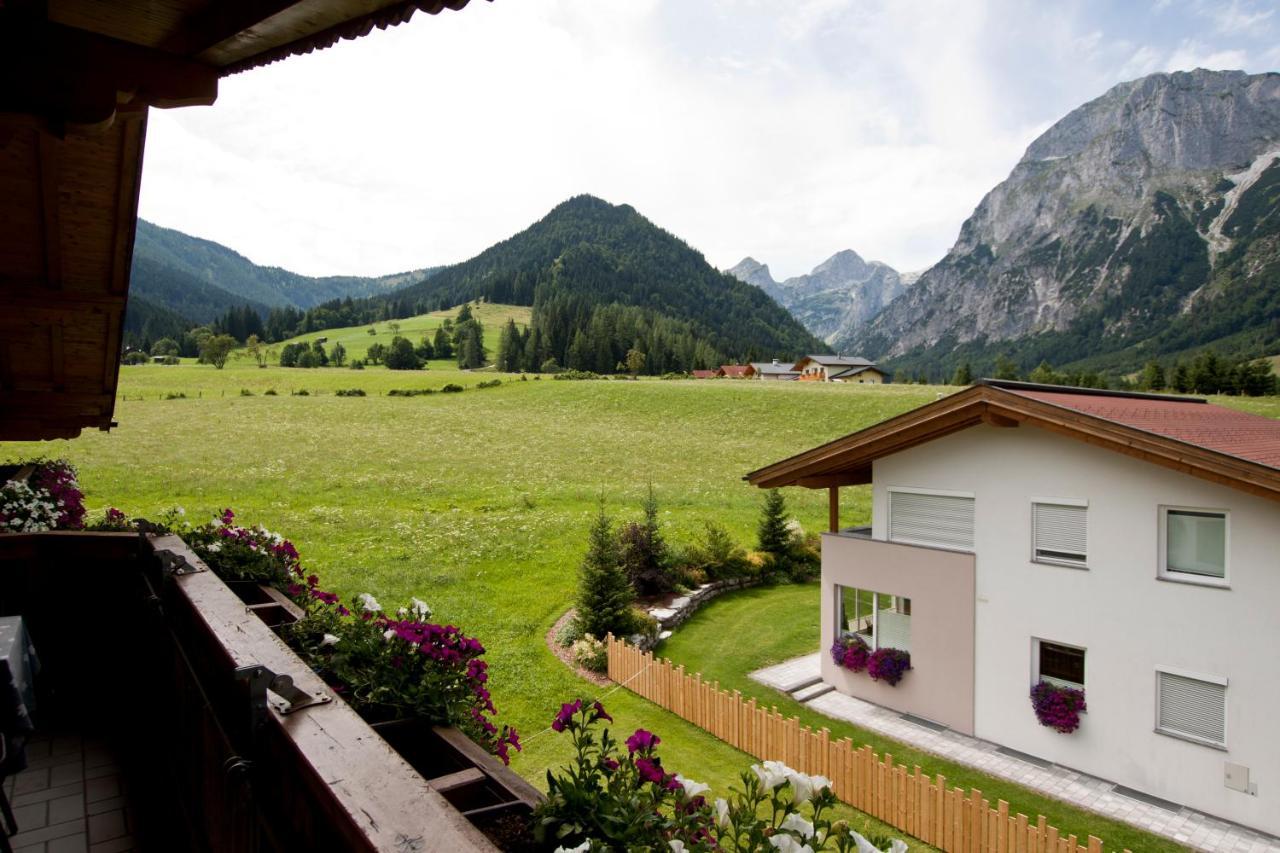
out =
column 606, row 799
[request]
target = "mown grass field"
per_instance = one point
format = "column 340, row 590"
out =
column 479, row 502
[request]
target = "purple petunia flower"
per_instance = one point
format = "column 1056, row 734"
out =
column 642, row 741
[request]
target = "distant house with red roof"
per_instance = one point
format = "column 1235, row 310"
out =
column 1029, row 541
column 736, row 371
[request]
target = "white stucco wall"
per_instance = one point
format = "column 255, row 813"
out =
column 1128, row 621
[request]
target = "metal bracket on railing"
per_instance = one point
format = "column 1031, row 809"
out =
column 291, row 698
column 175, row 564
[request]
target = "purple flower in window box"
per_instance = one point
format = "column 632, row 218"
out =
column 888, row 665
column 851, row 652
column 1058, row 707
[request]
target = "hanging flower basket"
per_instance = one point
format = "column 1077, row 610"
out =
column 1057, row 707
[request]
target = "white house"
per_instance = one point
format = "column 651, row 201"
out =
column 775, row 370
column 839, row 368
column 1124, row 544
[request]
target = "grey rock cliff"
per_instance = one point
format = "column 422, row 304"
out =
column 1114, row 221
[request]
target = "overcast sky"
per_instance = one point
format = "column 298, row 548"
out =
column 782, row 129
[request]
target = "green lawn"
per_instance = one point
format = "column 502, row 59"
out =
column 782, row 623
column 479, row 502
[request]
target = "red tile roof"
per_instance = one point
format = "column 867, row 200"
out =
column 736, row 370
column 1240, row 434
column 704, row 374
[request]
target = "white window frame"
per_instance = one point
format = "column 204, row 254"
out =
column 942, row 493
column 1195, row 676
column 1162, row 567
column 1052, row 561
column 1036, row 678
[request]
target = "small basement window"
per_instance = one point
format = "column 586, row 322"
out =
column 1194, row 544
column 1190, row 707
column 1060, row 665
column 1059, row 533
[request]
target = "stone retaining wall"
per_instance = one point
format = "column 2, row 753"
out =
column 674, row 613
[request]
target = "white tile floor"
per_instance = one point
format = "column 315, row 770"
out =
column 1192, row 828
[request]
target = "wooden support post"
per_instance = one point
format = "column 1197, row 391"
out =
column 833, row 503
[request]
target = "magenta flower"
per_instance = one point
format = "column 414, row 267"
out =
column 599, row 713
column 567, row 710
column 650, row 771
column 642, row 741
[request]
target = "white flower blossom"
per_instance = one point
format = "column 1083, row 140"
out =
column 389, row 634
column 179, row 510
column 329, row 640
column 772, row 774
column 796, row 823
column 788, row 844
column 692, row 788
column 676, row 845
column 420, row 608
column 214, row 547
column 369, row 603
column 722, row 813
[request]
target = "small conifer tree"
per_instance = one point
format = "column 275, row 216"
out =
column 963, row 375
column 774, row 537
column 604, row 593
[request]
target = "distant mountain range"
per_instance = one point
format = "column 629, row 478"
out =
column 1144, row 224
column 841, row 295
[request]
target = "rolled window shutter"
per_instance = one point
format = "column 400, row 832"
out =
column 1061, row 532
column 1189, row 706
column 931, row 519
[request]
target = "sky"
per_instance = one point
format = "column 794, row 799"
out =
column 786, row 130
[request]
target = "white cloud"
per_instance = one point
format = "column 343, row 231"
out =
column 784, row 131
column 1236, row 17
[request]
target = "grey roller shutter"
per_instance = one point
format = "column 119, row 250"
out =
column 1060, row 532
column 1191, row 707
column 944, row 520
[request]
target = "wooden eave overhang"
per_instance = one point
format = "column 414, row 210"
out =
column 847, row 461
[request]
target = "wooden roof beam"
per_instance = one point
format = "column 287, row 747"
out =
column 220, row 21
column 74, row 79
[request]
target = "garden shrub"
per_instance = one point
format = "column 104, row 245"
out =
column 569, row 634
column 715, row 555
column 591, row 654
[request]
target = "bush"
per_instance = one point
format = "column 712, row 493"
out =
column 591, row 654
column 302, row 393
column 136, row 357
column 410, row 392
column 492, row 383
column 175, row 396
column 357, row 365
column 349, row 392
column 245, row 392
column 577, row 375
column 568, row 634
column 400, row 355
column 549, row 366
column 451, row 388
column 170, row 360
column 715, row 555
column 270, row 392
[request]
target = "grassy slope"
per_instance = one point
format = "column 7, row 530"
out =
column 783, row 623
column 477, row 502
column 356, row 339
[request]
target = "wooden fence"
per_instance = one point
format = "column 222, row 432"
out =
column 951, row 819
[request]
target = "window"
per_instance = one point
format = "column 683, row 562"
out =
column 944, row 520
column 1192, row 707
column 1059, row 664
column 1059, row 533
column 880, row 619
column 1194, row 544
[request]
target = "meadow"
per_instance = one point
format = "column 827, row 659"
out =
column 479, row 502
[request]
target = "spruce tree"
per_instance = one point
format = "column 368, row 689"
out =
column 604, row 593
column 963, row 375
column 773, row 534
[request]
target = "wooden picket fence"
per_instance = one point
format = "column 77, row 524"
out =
column 950, row 819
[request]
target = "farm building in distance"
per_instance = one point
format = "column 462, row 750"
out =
column 736, row 371
column 839, row 368
column 775, row 370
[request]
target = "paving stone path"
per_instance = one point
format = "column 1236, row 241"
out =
column 802, row 676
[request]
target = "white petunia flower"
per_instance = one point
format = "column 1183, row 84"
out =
column 722, row 813
column 389, row 634
column 772, row 774
column 581, row 848
column 788, row 844
column 329, row 640
column 798, row 824
column 420, row 608
column 692, row 788
column 369, row 603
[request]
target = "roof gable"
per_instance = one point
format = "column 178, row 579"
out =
column 1221, row 445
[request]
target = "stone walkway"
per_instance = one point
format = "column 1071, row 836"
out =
column 1200, row 831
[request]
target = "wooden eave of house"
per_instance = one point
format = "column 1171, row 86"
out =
column 77, row 78
column 848, row 461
